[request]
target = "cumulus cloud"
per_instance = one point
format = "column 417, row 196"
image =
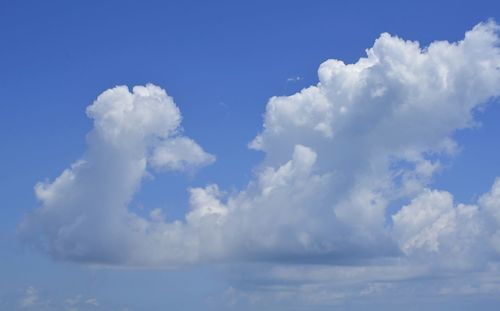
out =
column 432, row 228
column 83, row 214
column 337, row 155
column 179, row 154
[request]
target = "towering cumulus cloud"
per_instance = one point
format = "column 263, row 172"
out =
column 337, row 155
column 84, row 214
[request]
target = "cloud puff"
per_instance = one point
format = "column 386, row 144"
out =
column 432, row 228
column 337, row 155
column 178, row 154
column 30, row 298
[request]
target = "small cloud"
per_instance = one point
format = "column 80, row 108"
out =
column 294, row 79
column 92, row 301
column 30, row 298
column 72, row 303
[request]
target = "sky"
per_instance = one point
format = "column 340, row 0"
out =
column 249, row 155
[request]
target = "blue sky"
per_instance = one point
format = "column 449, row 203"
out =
column 276, row 226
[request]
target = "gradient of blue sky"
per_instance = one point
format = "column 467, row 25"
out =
column 221, row 61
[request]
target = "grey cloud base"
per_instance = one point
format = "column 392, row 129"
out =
column 337, row 155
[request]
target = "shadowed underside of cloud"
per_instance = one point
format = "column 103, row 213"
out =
column 338, row 153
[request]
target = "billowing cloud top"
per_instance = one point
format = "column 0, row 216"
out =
column 84, row 214
column 368, row 135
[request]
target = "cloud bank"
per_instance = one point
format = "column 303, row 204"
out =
column 338, row 156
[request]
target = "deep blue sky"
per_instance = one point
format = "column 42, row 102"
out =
column 221, row 61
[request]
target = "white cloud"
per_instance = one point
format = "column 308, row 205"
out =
column 179, row 153
column 84, row 215
column 294, row 79
column 337, row 154
column 33, row 300
column 205, row 202
column 490, row 203
column 378, row 128
column 79, row 302
column 92, row 301
column 30, row 299
column 72, row 303
column 432, row 228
